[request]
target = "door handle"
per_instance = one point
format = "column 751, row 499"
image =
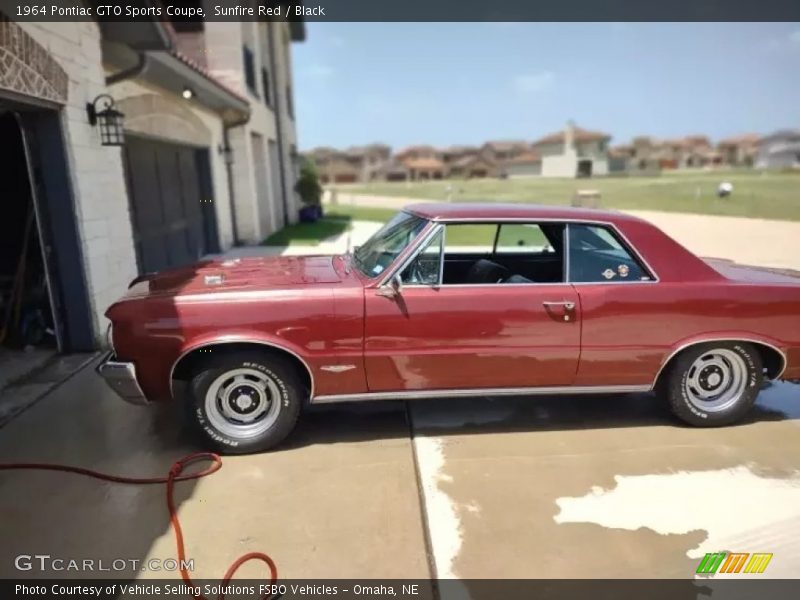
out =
column 566, row 304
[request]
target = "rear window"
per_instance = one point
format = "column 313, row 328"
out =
column 597, row 255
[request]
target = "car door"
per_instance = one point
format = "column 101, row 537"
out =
column 461, row 336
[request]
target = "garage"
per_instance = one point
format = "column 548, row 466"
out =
column 171, row 202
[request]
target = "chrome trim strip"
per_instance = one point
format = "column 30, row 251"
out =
column 230, row 340
column 121, row 378
column 466, row 393
column 725, row 339
column 337, row 368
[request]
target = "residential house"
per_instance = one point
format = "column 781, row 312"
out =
column 370, row 159
column 528, row 164
column 740, row 150
column 422, row 162
column 779, row 150
column 573, row 152
column 472, row 166
column 499, row 152
column 186, row 148
column 336, row 166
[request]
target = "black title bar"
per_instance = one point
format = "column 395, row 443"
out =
column 403, row 10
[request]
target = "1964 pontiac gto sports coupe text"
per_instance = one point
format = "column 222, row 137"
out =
column 456, row 300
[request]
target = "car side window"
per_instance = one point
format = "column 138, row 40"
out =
column 425, row 269
column 597, row 255
column 521, row 238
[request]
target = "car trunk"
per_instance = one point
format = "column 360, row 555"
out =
column 753, row 274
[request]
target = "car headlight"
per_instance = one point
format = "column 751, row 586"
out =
column 110, row 337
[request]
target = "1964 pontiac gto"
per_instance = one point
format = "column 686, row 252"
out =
column 456, row 300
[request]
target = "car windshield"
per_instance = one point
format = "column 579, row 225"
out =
column 379, row 251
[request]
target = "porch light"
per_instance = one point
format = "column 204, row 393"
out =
column 109, row 119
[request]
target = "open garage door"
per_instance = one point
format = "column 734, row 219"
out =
column 172, row 210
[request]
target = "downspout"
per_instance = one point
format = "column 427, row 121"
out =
column 278, row 126
column 228, row 154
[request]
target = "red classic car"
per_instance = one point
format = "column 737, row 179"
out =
column 456, row 300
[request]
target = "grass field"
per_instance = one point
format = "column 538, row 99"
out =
column 761, row 195
column 337, row 220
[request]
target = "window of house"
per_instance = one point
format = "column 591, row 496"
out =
column 597, row 255
column 249, row 70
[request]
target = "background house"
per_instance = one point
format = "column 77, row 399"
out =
column 528, row 164
column 740, row 150
column 422, row 162
column 369, row 159
column 500, row 152
column 573, row 152
column 207, row 156
column 471, row 166
column 779, row 150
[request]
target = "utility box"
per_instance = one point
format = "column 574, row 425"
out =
column 586, row 198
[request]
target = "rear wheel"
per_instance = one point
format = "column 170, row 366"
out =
column 245, row 401
column 714, row 383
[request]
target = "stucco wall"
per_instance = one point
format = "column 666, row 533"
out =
column 154, row 113
column 258, row 213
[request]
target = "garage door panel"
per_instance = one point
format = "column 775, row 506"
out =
column 168, row 219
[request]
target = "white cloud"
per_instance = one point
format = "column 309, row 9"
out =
column 534, row 83
column 794, row 37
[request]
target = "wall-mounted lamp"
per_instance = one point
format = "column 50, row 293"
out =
column 110, row 120
column 226, row 152
column 188, row 93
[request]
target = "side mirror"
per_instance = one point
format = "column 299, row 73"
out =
column 392, row 288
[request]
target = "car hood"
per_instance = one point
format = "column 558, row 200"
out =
column 251, row 273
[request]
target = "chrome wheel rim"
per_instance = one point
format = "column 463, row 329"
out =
column 716, row 380
column 243, row 403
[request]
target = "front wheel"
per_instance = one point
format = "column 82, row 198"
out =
column 713, row 384
column 245, row 401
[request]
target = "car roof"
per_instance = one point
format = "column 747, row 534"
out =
column 490, row 211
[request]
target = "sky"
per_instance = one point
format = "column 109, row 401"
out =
column 465, row 83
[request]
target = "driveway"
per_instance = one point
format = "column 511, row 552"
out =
column 584, row 487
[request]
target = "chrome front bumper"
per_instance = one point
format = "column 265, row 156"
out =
column 121, row 377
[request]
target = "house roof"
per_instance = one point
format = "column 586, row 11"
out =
column 459, row 150
column 789, row 134
column 745, row 138
column 470, row 159
column 581, row 135
column 366, row 149
column 445, row 211
column 505, row 145
column 423, row 163
column 526, row 158
column 417, row 149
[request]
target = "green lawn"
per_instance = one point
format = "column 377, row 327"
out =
column 308, row 234
column 773, row 195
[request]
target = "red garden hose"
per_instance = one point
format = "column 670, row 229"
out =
column 173, row 476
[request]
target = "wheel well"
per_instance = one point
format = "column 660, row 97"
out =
column 191, row 361
column 771, row 358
